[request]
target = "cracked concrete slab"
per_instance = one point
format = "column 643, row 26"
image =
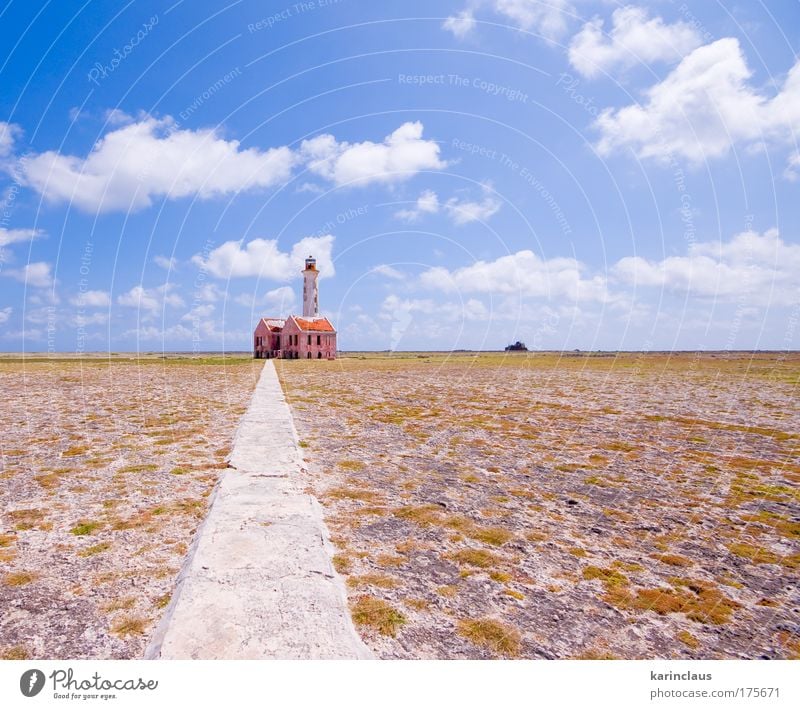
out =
column 259, row 582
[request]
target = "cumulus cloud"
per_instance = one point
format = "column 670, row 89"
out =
column 278, row 301
column 263, row 258
column 634, row 38
column 16, row 236
column 402, row 154
column 149, row 159
column 5, row 314
column 389, row 272
column 460, row 24
column 167, row 263
column 702, row 108
column 762, row 268
column 152, row 158
column 92, row 299
column 465, row 211
column 9, row 132
column 151, row 300
column 460, row 211
column 523, row 274
column 549, row 17
column 427, row 203
column 792, row 171
column 35, row 275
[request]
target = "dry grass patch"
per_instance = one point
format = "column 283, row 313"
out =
column 95, row 549
column 15, row 652
column 476, row 557
column 673, row 559
column 377, row 614
column 19, row 578
column 499, row 638
column 84, row 527
column 129, row 625
column 688, row 639
column 119, row 604
column 496, row 536
column 377, row 580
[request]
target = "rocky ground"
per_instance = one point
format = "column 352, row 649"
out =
column 632, row 506
column 105, row 471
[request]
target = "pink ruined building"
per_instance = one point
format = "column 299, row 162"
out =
column 296, row 337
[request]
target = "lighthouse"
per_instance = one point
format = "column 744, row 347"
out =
column 306, row 336
column 310, row 289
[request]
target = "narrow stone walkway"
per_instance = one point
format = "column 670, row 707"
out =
column 258, row 582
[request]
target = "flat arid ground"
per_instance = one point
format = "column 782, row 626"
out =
column 106, row 466
column 545, row 506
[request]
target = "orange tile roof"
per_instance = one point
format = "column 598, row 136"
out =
column 319, row 325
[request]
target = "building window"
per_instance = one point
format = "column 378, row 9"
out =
column 308, row 356
column 319, row 355
column 309, row 339
column 319, row 339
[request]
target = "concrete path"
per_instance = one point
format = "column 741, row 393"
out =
column 258, row 582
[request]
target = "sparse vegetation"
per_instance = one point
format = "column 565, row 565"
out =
column 499, row 638
column 377, row 614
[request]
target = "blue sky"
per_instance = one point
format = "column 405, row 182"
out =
column 574, row 174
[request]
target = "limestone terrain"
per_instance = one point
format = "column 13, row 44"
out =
column 547, row 506
column 106, row 466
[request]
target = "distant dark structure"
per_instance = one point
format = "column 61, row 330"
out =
column 517, row 347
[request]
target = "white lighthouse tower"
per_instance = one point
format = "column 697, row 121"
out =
column 310, row 289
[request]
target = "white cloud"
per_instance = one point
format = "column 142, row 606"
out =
column 522, row 274
column 427, row 203
column 152, row 158
column 634, row 38
column 402, row 154
column 35, row 275
column 389, row 272
column 151, row 300
column 704, row 106
column 92, row 299
column 16, row 236
column 792, row 171
column 5, row 314
column 263, row 258
column 200, row 312
column 460, row 24
column 9, row 132
column 393, row 308
column 548, row 17
column 167, row 263
column 463, row 212
column 153, row 333
column 83, row 320
column 280, row 298
column 762, row 268
column 459, row 211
